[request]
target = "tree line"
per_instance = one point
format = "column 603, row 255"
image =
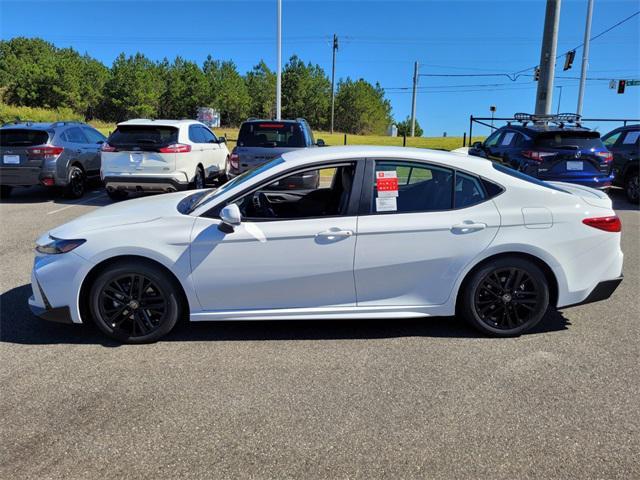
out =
column 35, row 73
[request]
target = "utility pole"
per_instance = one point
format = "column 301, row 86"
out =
column 333, row 78
column 544, row 95
column 413, row 100
column 279, row 61
column 559, row 87
column 585, row 57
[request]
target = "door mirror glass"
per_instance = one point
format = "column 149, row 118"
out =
column 231, row 217
column 477, row 145
column 320, row 142
column 222, row 140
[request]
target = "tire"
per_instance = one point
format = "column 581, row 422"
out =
column 632, row 187
column 5, row 191
column 77, row 183
column 117, row 195
column 505, row 297
column 198, row 180
column 119, row 294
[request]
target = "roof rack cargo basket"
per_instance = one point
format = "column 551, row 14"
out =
column 542, row 118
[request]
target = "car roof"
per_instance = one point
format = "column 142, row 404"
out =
column 32, row 125
column 535, row 129
column 462, row 161
column 161, row 122
column 271, row 120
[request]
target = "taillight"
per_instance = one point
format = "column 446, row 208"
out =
column 234, row 160
column 536, row 156
column 606, row 156
column 46, row 152
column 608, row 224
column 175, row 148
column 107, row 148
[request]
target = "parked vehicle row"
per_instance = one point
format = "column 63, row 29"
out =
column 388, row 233
column 568, row 153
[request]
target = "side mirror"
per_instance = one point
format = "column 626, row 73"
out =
column 222, row 140
column 477, row 145
column 320, row 142
column 100, row 142
column 231, row 217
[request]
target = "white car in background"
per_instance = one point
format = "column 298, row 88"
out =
column 161, row 156
column 387, row 233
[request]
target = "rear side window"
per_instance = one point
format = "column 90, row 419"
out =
column 468, row 191
column 14, row 137
column 403, row 187
column 143, row 136
column 631, row 138
column 574, row 140
column 271, row 134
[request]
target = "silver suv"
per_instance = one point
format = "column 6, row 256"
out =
column 60, row 154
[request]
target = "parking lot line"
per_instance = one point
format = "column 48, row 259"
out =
column 88, row 200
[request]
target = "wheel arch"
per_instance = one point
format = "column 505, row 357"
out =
column 549, row 274
column 83, row 300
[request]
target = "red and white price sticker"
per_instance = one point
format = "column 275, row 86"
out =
column 387, row 183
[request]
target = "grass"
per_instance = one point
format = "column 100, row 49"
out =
column 10, row 112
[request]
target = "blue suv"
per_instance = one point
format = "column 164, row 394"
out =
column 551, row 152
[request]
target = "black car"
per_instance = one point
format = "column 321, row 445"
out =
column 262, row 140
column 624, row 143
column 57, row 155
column 551, row 152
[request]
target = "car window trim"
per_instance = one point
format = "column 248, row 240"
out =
column 354, row 198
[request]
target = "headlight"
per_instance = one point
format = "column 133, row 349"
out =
column 58, row 245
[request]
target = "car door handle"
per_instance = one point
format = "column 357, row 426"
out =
column 467, row 227
column 331, row 234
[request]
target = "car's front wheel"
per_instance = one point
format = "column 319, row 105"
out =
column 632, row 187
column 505, row 297
column 134, row 302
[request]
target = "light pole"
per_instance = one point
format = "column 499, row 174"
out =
column 279, row 62
column 559, row 87
column 548, row 58
column 585, row 57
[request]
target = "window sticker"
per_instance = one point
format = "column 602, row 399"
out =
column 386, row 204
column 387, row 183
column 631, row 138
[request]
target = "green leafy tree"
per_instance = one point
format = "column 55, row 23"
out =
column 361, row 108
column 134, row 88
column 227, row 91
column 261, row 87
column 306, row 92
column 185, row 89
column 404, row 128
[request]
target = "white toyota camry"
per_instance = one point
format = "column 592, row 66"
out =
column 388, row 233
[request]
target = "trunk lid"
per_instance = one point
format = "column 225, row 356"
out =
column 593, row 197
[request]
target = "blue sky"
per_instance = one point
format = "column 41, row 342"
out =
column 379, row 41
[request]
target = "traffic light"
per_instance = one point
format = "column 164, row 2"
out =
column 568, row 59
column 536, row 74
column 621, row 85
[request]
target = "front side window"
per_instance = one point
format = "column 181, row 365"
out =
column 610, row 140
column 320, row 192
column 75, row 135
column 403, row 187
column 493, row 139
column 207, row 135
column 93, row 135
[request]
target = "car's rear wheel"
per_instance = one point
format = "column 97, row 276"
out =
column 505, row 297
column 5, row 191
column 134, row 302
column 77, row 183
column 117, row 195
column 198, row 181
column 632, row 187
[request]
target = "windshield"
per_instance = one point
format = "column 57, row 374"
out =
column 143, row 136
column 239, row 180
column 270, row 134
column 525, row 177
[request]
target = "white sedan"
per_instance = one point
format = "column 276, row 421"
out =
column 388, row 233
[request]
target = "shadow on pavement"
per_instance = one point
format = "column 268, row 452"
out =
column 18, row 325
column 39, row 194
column 620, row 201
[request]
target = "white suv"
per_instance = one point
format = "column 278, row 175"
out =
column 161, row 156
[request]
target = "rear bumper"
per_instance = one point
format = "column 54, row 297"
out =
column 602, row 291
column 147, row 183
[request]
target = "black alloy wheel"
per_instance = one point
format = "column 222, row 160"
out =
column 506, row 298
column 632, row 187
column 76, row 186
column 134, row 303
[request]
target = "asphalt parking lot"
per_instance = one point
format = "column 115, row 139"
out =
column 353, row 399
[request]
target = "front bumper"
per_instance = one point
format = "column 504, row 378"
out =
column 146, row 183
column 57, row 315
